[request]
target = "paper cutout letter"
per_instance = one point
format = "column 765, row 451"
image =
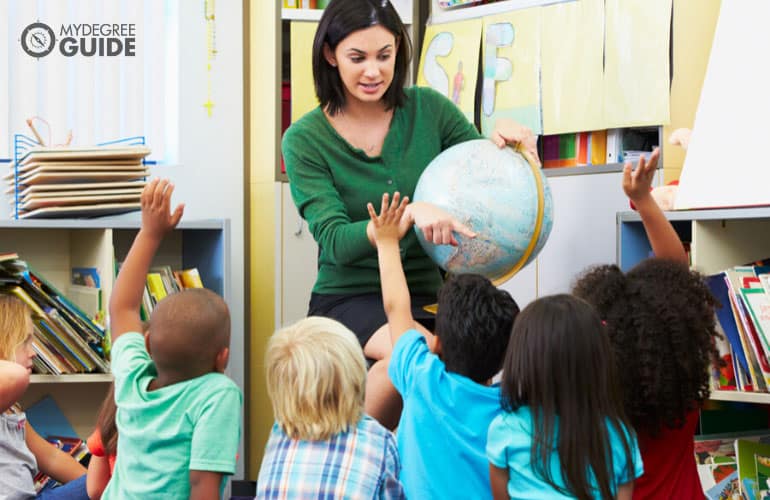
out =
column 495, row 69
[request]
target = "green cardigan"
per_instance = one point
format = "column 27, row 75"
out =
column 332, row 181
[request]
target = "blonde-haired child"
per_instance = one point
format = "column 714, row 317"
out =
column 322, row 443
column 22, row 450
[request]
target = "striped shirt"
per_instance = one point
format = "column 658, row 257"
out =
column 358, row 464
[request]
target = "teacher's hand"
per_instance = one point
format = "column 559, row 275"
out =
column 437, row 226
column 509, row 132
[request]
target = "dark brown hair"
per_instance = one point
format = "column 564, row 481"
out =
column 105, row 423
column 660, row 319
column 559, row 364
column 341, row 18
column 474, row 322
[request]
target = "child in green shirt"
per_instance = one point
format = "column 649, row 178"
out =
column 178, row 415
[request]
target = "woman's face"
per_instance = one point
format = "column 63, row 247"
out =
column 24, row 352
column 366, row 61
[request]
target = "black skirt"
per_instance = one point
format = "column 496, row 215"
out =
column 364, row 314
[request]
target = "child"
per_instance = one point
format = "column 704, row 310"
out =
column 22, row 450
column 564, row 433
column 444, row 381
column 660, row 319
column 322, row 445
column 103, row 445
column 178, row 415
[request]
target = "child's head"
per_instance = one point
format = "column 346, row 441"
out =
column 316, row 378
column 559, row 363
column 189, row 334
column 16, row 331
column 660, row 319
column 473, row 325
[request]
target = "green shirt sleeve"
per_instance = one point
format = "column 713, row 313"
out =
column 318, row 200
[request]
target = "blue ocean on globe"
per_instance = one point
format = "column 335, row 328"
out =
column 494, row 192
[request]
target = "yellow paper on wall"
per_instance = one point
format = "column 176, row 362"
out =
column 510, row 59
column 303, row 97
column 636, row 74
column 449, row 62
column 572, row 67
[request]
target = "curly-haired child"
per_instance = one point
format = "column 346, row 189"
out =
column 660, row 319
column 322, row 444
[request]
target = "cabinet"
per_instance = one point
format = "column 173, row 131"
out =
column 54, row 247
column 719, row 239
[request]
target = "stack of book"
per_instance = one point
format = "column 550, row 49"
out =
column 163, row 281
column 65, row 339
column 744, row 317
column 735, row 465
column 77, row 181
column 572, row 150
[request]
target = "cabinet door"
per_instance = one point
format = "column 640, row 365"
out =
column 584, row 228
column 299, row 261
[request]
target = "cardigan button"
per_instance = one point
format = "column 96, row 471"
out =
column 390, row 181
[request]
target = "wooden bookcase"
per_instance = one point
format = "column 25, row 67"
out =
column 54, row 247
column 719, row 239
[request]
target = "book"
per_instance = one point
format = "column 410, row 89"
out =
column 745, row 452
column 727, row 489
column 762, row 463
column 191, row 278
column 725, row 317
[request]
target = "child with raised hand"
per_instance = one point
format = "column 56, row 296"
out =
column 564, row 433
column 660, row 320
column 445, row 381
column 22, row 450
column 322, row 444
column 178, row 415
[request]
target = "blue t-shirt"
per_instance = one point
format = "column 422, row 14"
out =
column 443, row 429
column 509, row 444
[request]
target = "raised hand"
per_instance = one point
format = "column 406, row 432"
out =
column 637, row 182
column 157, row 218
column 437, row 226
column 387, row 224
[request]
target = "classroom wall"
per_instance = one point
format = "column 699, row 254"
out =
column 694, row 24
column 263, row 99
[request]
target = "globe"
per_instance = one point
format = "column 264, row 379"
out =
column 498, row 194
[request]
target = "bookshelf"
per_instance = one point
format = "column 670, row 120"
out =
column 53, row 247
column 719, row 239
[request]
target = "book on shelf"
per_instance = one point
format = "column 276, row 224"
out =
column 162, row 281
column 745, row 453
column 65, row 339
column 716, row 459
column 744, row 317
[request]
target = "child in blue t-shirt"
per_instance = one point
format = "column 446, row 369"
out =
column 178, row 415
column 444, row 381
column 564, row 433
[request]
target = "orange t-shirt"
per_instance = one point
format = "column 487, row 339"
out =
column 96, row 447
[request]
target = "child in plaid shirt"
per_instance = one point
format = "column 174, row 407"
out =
column 322, row 445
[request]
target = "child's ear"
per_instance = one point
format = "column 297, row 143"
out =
column 220, row 362
column 147, row 342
